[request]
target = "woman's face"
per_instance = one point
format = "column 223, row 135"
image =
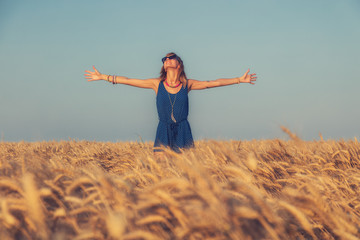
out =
column 171, row 63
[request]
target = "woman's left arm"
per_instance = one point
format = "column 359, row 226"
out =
column 199, row 85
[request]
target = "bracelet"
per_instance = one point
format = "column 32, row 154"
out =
column 108, row 78
column 113, row 81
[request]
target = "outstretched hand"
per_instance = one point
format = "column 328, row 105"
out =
column 93, row 76
column 248, row 78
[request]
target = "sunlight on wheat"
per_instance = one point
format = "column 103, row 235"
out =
column 259, row 189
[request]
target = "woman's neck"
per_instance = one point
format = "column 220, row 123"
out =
column 172, row 77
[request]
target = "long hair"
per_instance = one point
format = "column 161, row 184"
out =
column 181, row 76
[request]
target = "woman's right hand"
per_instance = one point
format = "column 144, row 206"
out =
column 94, row 76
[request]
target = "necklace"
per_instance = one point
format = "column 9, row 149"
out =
column 172, row 107
column 172, row 86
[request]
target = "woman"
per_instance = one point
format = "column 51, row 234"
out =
column 171, row 89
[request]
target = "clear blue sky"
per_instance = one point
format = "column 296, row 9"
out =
column 306, row 55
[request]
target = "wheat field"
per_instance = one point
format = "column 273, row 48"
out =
column 259, row 189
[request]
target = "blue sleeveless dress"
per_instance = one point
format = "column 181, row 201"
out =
column 175, row 135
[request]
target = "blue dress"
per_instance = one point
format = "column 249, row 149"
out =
column 173, row 132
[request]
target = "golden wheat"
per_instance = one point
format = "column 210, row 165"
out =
column 259, row 189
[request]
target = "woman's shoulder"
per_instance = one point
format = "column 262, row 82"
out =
column 190, row 82
column 154, row 81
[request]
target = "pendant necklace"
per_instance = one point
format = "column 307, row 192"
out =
column 172, row 107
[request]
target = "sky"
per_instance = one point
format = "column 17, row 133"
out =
column 305, row 53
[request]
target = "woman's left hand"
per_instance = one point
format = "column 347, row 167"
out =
column 248, row 78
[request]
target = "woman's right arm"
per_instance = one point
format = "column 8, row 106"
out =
column 152, row 83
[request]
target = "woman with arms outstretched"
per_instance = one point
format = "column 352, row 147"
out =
column 171, row 89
